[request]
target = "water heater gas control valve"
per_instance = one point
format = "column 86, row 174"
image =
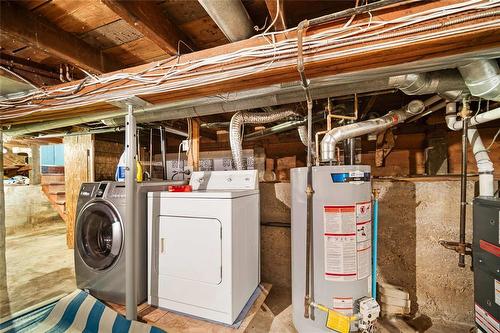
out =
column 369, row 311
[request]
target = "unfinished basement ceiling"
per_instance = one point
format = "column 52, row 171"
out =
column 106, row 32
column 107, row 29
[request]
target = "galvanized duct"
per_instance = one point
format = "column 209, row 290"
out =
column 243, row 117
column 447, row 83
column 482, row 77
column 391, row 119
column 231, row 17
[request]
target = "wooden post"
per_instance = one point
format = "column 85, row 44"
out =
column 34, row 161
column 194, row 149
column 4, row 294
column 76, row 172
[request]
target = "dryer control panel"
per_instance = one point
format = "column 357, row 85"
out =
column 225, row 180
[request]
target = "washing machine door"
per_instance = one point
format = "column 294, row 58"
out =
column 99, row 235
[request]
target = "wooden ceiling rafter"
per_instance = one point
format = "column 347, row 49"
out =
column 37, row 32
column 37, row 74
column 148, row 19
column 272, row 8
column 466, row 42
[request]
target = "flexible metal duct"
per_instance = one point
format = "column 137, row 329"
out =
column 391, row 119
column 231, row 17
column 483, row 78
column 447, row 83
column 243, row 117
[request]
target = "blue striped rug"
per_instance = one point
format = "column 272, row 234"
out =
column 77, row 312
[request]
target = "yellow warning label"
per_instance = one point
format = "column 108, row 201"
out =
column 338, row 322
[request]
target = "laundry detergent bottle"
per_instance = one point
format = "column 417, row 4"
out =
column 120, row 170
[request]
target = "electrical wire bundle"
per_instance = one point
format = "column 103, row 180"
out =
column 172, row 74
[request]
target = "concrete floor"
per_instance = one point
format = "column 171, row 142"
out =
column 39, row 266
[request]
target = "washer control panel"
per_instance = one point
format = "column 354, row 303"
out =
column 225, row 180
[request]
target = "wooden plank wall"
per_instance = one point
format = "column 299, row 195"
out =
column 78, row 159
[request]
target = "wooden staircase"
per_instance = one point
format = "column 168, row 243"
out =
column 54, row 189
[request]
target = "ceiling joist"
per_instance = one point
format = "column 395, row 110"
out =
column 274, row 7
column 37, row 32
column 147, row 18
column 464, row 37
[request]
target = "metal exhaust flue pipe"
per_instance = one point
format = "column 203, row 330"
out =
column 391, row 119
column 231, row 17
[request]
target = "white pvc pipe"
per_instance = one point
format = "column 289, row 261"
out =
column 484, row 164
column 456, row 125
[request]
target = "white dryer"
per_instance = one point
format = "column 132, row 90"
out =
column 203, row 251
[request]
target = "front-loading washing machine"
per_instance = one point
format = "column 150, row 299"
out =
column 100, row 229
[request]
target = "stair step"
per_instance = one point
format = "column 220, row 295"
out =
column 48, row 179
column 56, row 191
column 52, row 169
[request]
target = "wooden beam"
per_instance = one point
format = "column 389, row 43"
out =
column 36, row 31
column 147, row 18
column 37, row 74
column 272, row 8
column 194, row 149
column 400, row 58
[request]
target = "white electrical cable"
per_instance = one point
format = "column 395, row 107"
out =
column 151, row 80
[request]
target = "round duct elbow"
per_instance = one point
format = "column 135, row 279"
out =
column 482, row 77
column 412, row 84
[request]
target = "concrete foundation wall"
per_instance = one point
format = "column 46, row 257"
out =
column 27, row 206
column 414, row 216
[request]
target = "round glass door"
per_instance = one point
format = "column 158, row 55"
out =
column 99, row 235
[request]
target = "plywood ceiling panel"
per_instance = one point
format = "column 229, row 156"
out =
column 204, row 33
column 112, row 34
column 136, row 52
column 194, row 21
column 77, row 16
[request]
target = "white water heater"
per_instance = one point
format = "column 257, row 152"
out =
column 342, row 253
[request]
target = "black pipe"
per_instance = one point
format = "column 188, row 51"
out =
column 463, row 192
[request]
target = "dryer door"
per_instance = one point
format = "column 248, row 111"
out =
column 99, row 235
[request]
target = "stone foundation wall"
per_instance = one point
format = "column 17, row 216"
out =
column 27, row 207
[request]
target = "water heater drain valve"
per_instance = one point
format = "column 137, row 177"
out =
column 369, row 311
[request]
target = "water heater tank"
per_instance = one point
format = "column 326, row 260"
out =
column 342, row 211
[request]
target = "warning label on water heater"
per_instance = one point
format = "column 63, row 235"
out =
column 340, row 243
column 347, row 238
column 363, row 238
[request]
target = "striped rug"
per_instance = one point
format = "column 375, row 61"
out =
column 77, row 312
